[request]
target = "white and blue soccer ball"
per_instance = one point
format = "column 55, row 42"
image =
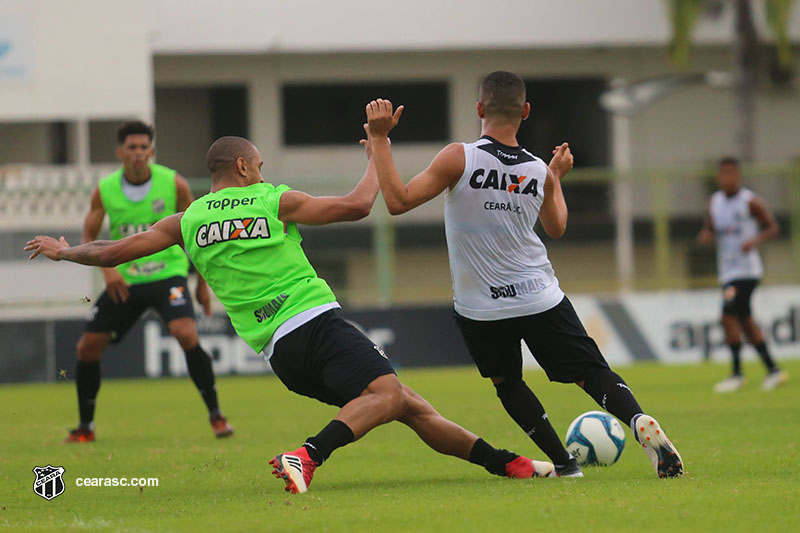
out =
column 595, row 438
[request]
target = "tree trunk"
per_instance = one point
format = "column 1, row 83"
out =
column 745, row 52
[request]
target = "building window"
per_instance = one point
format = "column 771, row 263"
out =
column 332, row 113
column 189, row 119
column 568, row 109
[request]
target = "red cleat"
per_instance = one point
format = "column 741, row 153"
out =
column 295, row 468
column 220, row 426
column 80, row 434
column 524, row 468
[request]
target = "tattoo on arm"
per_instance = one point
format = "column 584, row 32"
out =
column 87, row 254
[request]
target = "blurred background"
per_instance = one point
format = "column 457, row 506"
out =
column 649, row 94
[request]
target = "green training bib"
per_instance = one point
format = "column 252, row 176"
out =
column 257, row 270
column 127, row 218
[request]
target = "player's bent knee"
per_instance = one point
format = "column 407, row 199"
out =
column 396, row 403
column 91, row 345
column 185, row 332
column 393, row 401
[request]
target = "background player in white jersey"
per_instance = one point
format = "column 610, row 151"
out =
column 505, row 289
column 741, row 221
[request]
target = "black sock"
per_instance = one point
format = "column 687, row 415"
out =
column 763, row 352
column 609, row 390
column 736, row 358
column 527, row 411
column 492, row 459
column 87, row 378
column 335, row 435
column 199, row 364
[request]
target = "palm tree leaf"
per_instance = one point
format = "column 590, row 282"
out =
column 683, row 15
column 778, row 19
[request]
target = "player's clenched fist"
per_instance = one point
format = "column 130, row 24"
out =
column 380, row 117
column 562, row 160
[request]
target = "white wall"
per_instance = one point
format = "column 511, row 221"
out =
column 270, row 26
column 88, row 58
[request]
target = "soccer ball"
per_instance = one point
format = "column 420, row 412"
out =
column 595, row 438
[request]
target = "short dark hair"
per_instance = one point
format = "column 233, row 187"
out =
column 224, row 152
column 502, row 94
column 728, row 160
column 134, row 127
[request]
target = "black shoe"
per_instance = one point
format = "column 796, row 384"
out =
column 571, row 469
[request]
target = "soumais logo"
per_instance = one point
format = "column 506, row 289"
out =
column 232, row 229
column 267, row 311
column 511, row 290
column 507, row 182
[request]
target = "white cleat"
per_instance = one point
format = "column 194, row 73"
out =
column 663, row 455
column 774, row 380
column 731, row 384
column 542, row 468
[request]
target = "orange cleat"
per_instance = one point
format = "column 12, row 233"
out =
column 80, row 434
column 220, row 426
column 295, row 468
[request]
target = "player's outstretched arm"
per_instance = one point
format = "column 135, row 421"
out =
column 443, row 172
column 163, row 234
column 301, row 207
column 553, row 213
column 769, row 226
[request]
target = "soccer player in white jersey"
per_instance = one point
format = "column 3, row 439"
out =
column 741, row 221
column 504, row 286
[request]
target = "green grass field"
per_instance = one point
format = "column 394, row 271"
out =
column 740, row 451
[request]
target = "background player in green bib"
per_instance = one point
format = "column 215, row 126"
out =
column 135, row 197
column 243, row 238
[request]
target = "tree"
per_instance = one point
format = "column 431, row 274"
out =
column 746, row 52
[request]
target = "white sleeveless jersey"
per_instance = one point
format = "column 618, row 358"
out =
column 734, row 225
column 498, row 264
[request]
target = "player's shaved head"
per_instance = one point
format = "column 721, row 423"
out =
column 503, row 95
column 221, row 157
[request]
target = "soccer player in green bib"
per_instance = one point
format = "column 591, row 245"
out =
column 136, row 196
column 243, row 239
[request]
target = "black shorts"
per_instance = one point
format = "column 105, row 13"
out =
column 169, row 297
column 556, row 338
column 736, row 296
column 328, row 359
